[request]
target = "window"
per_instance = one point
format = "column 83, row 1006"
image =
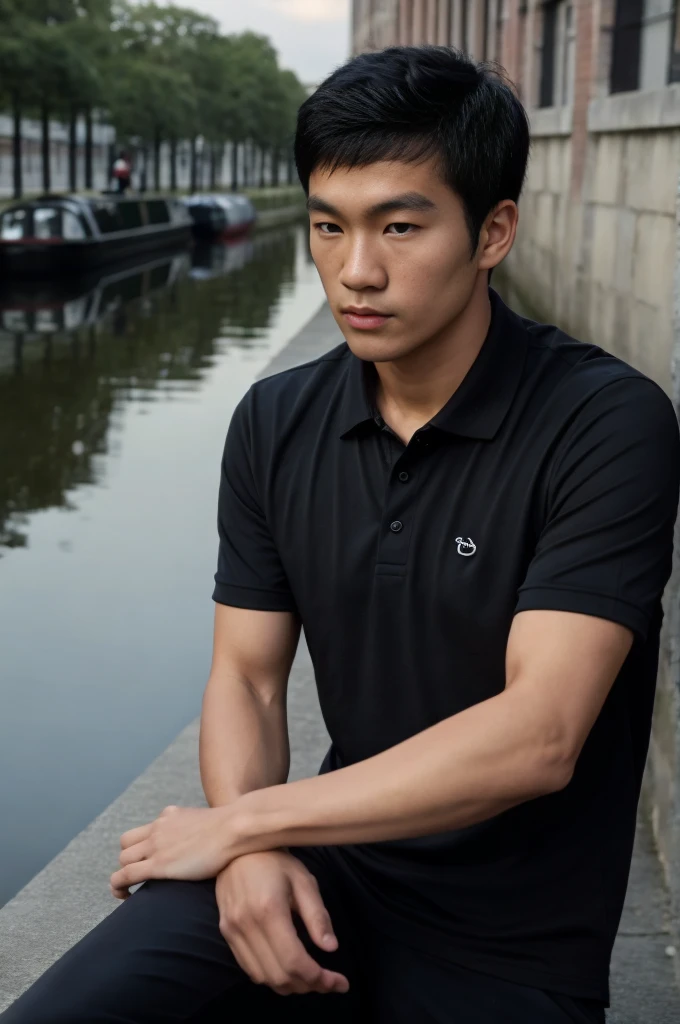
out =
column 644, row 46
column 500, row 17
column 674, row 75
column 14, row 225
column 469, row 10
column 657, row 30
column 130, row 215
column 157, row 210
column 106, row 216
column 558, row 53
column 493, row 29
column 47, row 222
column 73, row 226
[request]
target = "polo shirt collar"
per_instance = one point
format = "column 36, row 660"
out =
column 478, row 406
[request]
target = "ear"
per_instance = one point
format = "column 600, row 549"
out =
column 497, row 235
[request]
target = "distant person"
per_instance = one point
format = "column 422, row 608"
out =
column 122, row 172
column 471, row 515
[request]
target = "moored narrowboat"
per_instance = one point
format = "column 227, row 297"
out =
column 220, row 216
column 56, row 235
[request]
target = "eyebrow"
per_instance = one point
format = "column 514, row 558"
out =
column 414, row 201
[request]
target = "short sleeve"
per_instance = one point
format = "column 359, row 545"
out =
column 607, row 542
column 249, row 570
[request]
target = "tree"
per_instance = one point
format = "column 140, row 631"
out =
column 293, row 95
column 166, row 111
column 163, row 50
column 161, row 74
column 17, row 60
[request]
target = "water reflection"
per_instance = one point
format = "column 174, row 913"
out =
column 69, row 356
column 115, row 397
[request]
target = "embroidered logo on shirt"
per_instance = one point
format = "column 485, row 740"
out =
column 466, row 547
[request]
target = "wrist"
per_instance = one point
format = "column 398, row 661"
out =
column 254, row 823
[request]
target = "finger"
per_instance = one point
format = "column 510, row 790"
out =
column 310, row 906
column 262, row 960
column 135, row 835
column 273, row 972
column 245, row 958
column 132, row 874
column 302, row 969
column 138, row 852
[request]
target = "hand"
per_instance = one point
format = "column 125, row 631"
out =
column 256, row 895
column 183, row 842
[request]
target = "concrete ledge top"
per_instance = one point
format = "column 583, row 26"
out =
column 547, row 121
column 636, row 111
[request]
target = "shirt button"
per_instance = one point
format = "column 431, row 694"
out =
column 403, row 476
column 396, row 526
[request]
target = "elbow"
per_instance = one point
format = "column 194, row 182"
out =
column 553, row 768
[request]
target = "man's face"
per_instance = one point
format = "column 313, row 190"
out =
column 409, row 260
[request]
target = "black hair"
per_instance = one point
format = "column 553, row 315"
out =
column 414, row 102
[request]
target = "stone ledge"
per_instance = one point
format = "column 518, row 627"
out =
column 550, row 121
column 636, row 111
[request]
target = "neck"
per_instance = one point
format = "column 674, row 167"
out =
column 413, row 389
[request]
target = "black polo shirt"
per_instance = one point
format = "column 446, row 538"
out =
column 549, row 480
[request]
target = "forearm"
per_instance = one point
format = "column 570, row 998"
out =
column 463, row 770
column 243, row 741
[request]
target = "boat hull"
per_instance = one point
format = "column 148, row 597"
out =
column 40, row 259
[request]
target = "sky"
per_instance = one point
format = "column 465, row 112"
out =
column 311, row 36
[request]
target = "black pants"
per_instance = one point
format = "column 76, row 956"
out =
column 159, row 958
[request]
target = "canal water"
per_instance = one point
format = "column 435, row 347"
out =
column 115, row 398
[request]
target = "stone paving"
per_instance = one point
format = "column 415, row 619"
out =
column 71, row 895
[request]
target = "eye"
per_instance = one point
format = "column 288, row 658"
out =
column 327, row 224
column 404, row 229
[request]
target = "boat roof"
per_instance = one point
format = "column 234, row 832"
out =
column 73, row 200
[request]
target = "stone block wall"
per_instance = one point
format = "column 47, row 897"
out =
column 602, row 263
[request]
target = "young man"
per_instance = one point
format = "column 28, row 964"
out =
column 471, row 515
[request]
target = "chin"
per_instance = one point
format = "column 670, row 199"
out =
column 376, row 349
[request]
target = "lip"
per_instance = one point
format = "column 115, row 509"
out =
column 364, row 317
column 364, row 311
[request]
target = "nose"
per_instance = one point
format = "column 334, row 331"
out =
column 362, row 267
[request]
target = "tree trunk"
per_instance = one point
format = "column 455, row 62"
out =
column 194, row 165
column 45, row 147
column 251, row 164
column 88, row 149
column 290, row 168
column 173, row 164
column 144, row 172
column 17, row 168
column 157, row 161
column 220, row 166
column 263, row 155
column 234, row 167
column 213, row 167
column 275, row 166
column 73, row 150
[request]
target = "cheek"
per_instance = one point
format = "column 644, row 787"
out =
column 433, row 281
column 326, row 261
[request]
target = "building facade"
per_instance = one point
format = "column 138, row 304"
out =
column 597, row 248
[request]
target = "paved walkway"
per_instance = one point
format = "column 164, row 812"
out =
column 71, row 894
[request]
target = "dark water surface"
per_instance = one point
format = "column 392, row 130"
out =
column 114, row 403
